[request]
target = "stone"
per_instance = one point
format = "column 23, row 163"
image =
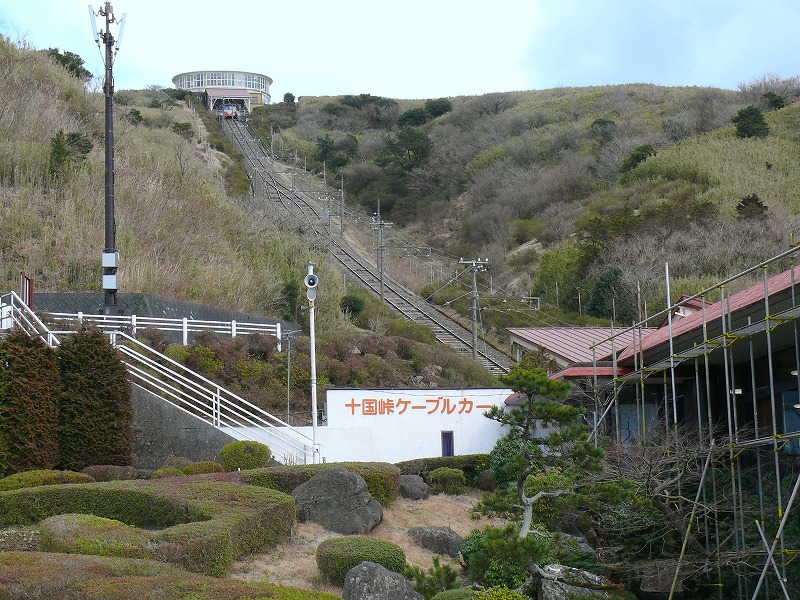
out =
column 576, row 546
column 559, row 582
column 656, row 577
column 486, row 481
column 371, row 581
column 338, row 500
column 441, row 540
column 414, row 487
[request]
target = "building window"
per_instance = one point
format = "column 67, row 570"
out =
column 791, row 419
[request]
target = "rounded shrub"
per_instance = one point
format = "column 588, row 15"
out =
column 202, row 467
column 167, row 472
column 89, row 534
column 245, row 454
column 499, row 593
column 446, row 480
column 336, row 556
column 39, row 477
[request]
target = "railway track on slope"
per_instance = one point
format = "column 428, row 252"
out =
column 305, row 210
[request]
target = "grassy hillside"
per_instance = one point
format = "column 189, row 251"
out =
column 546, row 183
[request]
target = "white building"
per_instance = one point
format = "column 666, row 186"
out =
column 246, row 90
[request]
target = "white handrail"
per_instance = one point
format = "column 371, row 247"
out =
column 14, row 312
column 134, row 323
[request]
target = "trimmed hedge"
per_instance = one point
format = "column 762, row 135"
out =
column 449, row 481
column 245, row 454
column 207, row 524
column 336, row 556
column 167, row 472
column 29, row 389
column 460, row 594
column 471, row 464
column 177, row 462
column 43, row 575
column 202, row 467
column 110, row 472
column 88, row 534
column 383, row 479
column 40, row 477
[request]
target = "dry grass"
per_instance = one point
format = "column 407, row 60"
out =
column 294, row 563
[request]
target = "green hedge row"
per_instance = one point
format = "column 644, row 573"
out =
column 202, row 525
column 336, row 556
column 383, row 479
column 42, row 477
column 472, row 465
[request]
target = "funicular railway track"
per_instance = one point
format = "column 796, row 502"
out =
column 304, row 210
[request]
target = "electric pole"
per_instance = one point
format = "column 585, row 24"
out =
column 475, row 265
column 377, row 226
column 110, row 259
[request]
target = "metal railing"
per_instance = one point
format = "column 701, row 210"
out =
column 133, row 324
column 15, row 313
column 208, row 401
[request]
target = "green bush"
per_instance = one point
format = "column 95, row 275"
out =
column 110, row 472
column 336, row 556
column 167, row 472
column 438, row 578
column 29, row 388
column 202, row 467
column 201, row 525
column 40, row 477
column 449, row 481
column 471, row 464
column 95, row 409
column 383, row 479
column 88, row 534
column 245, row 454
column 499, row 593
column 497, row 557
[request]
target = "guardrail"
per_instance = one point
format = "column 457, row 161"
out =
column 208, row 401
column 133, row 324
column 15, row 313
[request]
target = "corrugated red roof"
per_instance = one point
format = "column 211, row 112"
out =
column 743, row 299
column 574, row 344
column 588, row 371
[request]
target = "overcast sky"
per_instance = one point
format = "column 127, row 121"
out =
column 430, row 48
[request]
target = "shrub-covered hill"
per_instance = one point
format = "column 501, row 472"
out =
column 548, row 184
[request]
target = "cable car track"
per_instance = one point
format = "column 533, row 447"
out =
column 303, row 211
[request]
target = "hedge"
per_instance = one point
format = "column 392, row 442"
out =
column 472, row 465
column 203, row 466
column 383, row 479
column 459, row 594
column 449, row 481
column 41, row 477
column 245, row 454
column 336, row 556
column 201, row 525
column 43, row 575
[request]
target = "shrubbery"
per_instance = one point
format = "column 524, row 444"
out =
column 40, row 477
column 336, row 556
column 471, row 464
column 202, row 467
column 167, row 472
column 245, row 454
column 497, row 557
column 448, row 481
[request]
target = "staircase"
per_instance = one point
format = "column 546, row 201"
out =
column 179, row 386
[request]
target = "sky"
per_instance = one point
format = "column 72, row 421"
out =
column 428, row 48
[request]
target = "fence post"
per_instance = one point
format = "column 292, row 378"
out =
column 278, row 334
column 133, row 325
column 233, row 329
column 185, row 331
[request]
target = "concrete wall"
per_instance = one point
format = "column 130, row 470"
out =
column 161, row 430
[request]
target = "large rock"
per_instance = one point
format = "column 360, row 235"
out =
column 559, row 582
column 338, row 500
column 656, row 578
column 441, row 540
column 371, row 581
column 414, row 487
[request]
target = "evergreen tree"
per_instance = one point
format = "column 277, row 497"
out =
column 750, row 122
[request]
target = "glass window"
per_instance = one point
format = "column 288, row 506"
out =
column 791, row 419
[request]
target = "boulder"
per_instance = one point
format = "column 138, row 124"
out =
column 441, row 540
column 559, row 582
column 338, row 500
column 371, row 581
column 656, row 578
column 486, row 481
column 414, row 487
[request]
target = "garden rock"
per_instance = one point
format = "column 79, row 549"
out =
column 656, row 577
column 486, row 481
column 441, row 540
column 338, row 500
column 414, row 487
column 371, row 581
column 559, row 582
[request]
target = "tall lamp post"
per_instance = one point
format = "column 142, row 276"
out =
column 311, row 282
column 110, row 259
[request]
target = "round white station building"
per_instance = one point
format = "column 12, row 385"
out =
column 242, row 88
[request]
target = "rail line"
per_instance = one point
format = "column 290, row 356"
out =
column 304, row 210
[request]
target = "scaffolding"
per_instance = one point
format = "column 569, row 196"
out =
column 729, row 368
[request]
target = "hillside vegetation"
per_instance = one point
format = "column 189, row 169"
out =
column 576, row 195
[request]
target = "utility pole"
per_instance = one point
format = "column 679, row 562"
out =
column 377, row 226
column 475, row 265
column 110, row 258
column 311, row 281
